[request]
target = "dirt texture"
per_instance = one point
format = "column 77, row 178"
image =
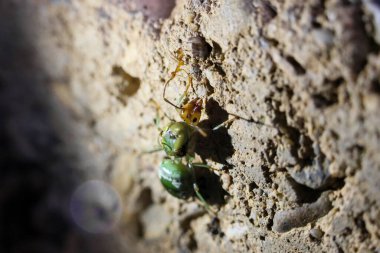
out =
column 297, row 171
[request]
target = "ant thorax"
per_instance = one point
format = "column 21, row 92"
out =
column 192, row 111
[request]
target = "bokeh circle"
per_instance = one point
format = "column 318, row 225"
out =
column 96, row 207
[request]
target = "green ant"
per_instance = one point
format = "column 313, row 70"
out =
column 177, row 171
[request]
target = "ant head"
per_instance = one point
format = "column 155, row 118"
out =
column 175, row 138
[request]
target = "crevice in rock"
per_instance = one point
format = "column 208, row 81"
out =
column 286, row 220
column 126, row 85
column 298, row 69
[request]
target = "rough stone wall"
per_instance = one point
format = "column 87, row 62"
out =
column 297, row 172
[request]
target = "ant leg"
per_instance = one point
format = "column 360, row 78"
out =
column 196, row 187
column 154, row 150
column 202, row 165
column 184, row 95
column 167, row 100
column 189, row 82
column 179, row 56
column 203, row 201
column 180, row 62
column 156, row 120
column 239, row 117
column 200, row 131
column 225, row 123
column 188, row 85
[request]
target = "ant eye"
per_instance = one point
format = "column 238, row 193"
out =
column 195, row 119
column 171, row 135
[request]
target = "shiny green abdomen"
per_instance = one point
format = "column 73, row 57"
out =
column 176, row 178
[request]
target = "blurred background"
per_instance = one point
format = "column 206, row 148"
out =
column 76, row 81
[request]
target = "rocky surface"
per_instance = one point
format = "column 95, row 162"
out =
column 298, row 171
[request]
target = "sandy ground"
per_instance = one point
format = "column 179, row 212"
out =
column 299, row 171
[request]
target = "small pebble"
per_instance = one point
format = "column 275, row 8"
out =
column 323, row 37
column 226, row 181
column 316, row 233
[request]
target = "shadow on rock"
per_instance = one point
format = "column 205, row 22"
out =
column 217, row 146
column 210, row 187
